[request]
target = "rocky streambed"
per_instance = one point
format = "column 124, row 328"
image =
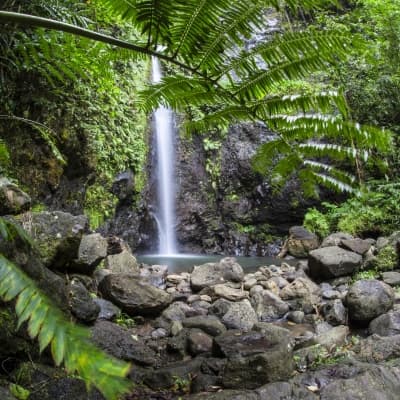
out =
column 311, row 329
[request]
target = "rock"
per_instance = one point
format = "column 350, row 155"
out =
column 268, row 306
column 356, row 245
column 253, row 359
column 199, row 342
column 335, row 239
column 228, row 395
column 376, row 349
column 159, row 333
column 272, row 332
column 123, row 262
column 209, row 324
column 211, row 274
column 47, row 383
column 155, row 274
column 386, row 324
column 82, row 305
column 392, row 278
column 295, row 316
column 285, row 391
column 301, row 242
column 331, row 262
column 333, row 338
column 133, row 295
column 304, row 292
column 124, row 185
column 118, row 342
column 367, row 299
column 176, row 327
column 12, row 199
column 5, row 394
column 58, row 236
column 108, row 310
column 229, row 293
column 92, row 250
column 240, row 315
column 334, row 312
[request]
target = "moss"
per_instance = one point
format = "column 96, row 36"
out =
column 386, row 259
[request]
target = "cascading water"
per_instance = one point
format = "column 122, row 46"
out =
column 164, row 131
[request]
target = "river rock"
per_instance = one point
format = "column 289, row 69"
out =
column 334, row 312
column 199, row 342
column 331, row 262
column 58, row 236
column 118, row 341
column 335, row 239
column 229, row 293
column 268, row 306
column 253, row 359
column 134, row 296
column 12, row 199
column 356, row 245
column 376, row 349
column 301, row 242
column 123, row 262
column 108, row 310
column 303, row 292
column 81, row 303
column 367, row 299
column 392, row 278
column 386, row 324
column 155, row 275
column 92, row 250
column 209, row 324
column 228, row 395
column 213, row 273
column 240, row 315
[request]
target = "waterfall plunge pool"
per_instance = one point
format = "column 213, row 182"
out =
column 185, row 262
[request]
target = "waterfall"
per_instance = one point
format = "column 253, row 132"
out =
column 164, row 132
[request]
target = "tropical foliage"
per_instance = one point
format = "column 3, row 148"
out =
column 207, row 40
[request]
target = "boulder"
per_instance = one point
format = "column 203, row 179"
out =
column 301, row 242
column 253, row 359
column 392, row 278
column 199, row 342
column 118, row 342
column 356, row 245
column 213, row 273
column 108, row 310
column 82, row 305
column 334, row 312
column 335, row 239
column 209, row 324
column 376, row 349
column 367, row 299
column 386, row 324
column 124, row 185
column 229, row 293
column 155, row 274
column 92, row 250
column 57, row 236
column 122, row 263
column 331, row 262
column 240, row 315
column 268, row 306
column 134, row 296
column 12, row 199
column 303, row 292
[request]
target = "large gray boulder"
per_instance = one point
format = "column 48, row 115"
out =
column 386, row 324
column 239, row 315
column 302, row 293
column 213, row 273
column 301, row 242
column 332, row 262
column 82, row 305
column 268, row 306
column 124, row 262
column 92, row 250
column 12, row 199
column 367, row 299
column 253, row 359
column 57, row 236
column 335, row 239
column 134, row 296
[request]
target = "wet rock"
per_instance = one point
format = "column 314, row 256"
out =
column 118, row 341
column 367, row 299
column 376, row 349
column 268, row 306
column 12, row 199
column 240, row 315
column 356, row 245
column 123, row 262
column 229, row 293
column 386, row 324
column 334, row 312
column 82, row 305
column 92, row 250
column 213, row 273
column 124, row 185
column 199, row 342
column 335, row 239
column 58, row 236
column 155, row 274
column 253, row 359
column 392, row 278
column 333, row 338
column 302, row 292
column 108, row 310
column 134, row 296
column 209, row 324
column 331, row 262
column 300, row 242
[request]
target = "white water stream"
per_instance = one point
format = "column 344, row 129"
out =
column 164, row 131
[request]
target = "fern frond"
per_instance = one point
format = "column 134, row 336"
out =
column 69, row 343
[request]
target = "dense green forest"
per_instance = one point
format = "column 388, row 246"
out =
column 77, row 99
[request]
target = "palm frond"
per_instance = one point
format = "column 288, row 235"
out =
column 69, row 343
